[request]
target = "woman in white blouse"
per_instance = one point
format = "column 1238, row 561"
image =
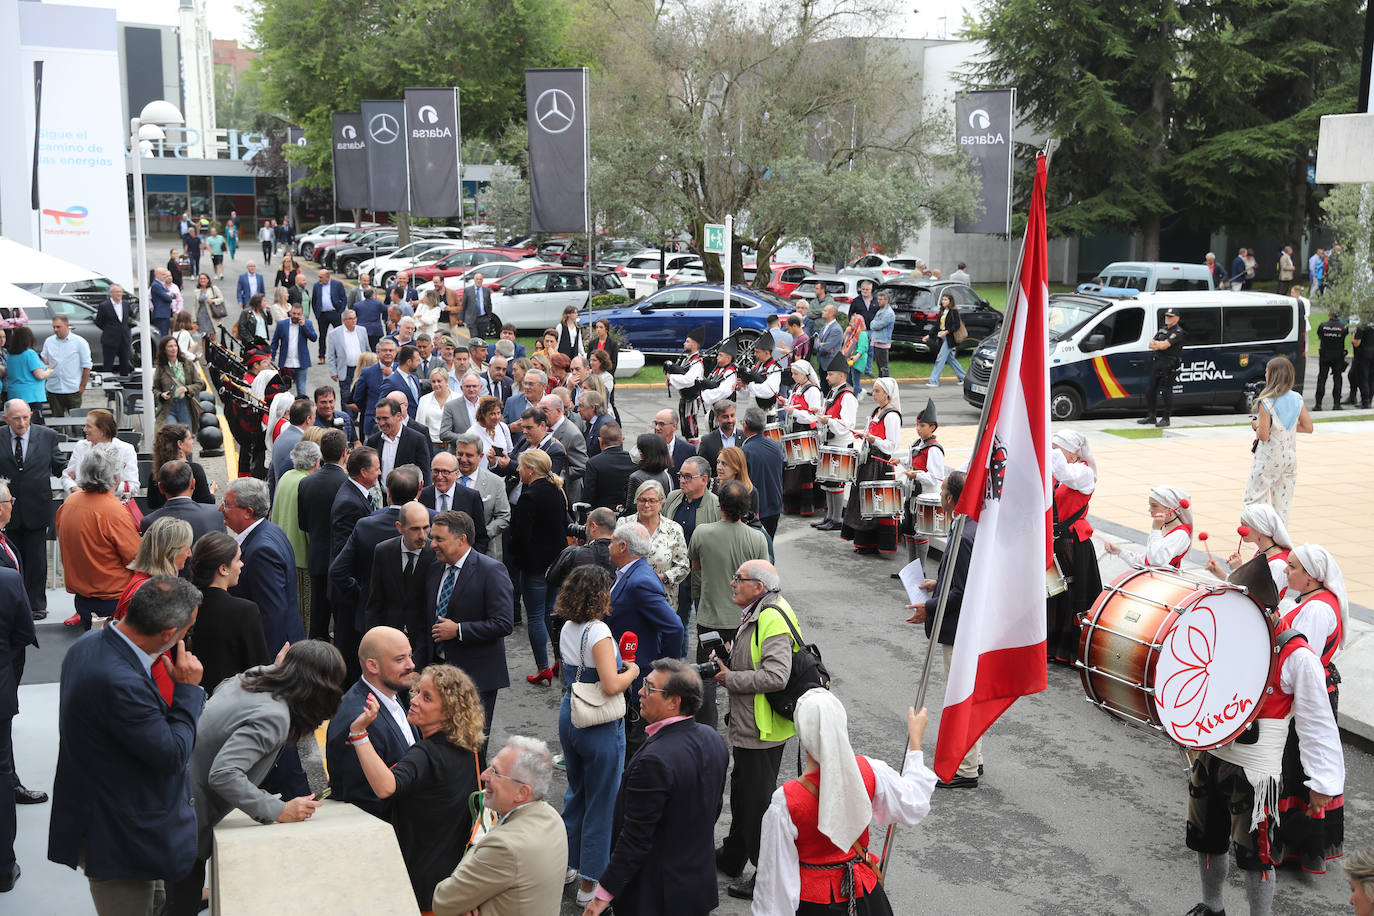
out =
column 667, row 544
column 883, row 437
column 101, row 427
column 427, row 313
column 429, row 412
column 1171, row 530
column 495, row 435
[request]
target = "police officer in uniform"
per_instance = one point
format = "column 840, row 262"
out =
column 1331, row 335
column 1361, row 365
column 1167, row 345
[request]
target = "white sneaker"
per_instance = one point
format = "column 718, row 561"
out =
column 570, row 877
column 585, row 897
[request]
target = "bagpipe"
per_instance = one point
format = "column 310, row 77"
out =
column 745, row 365
column 229, row 373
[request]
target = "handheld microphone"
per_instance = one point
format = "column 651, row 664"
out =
column 629, row 646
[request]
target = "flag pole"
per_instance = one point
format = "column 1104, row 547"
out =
column 956, row 530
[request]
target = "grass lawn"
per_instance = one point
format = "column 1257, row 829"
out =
column 1139, row 432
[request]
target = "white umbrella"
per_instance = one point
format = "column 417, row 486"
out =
column 22, row 264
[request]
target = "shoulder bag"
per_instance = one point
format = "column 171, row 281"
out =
column 483, row 818
column 591, row 705
column 960, row 333
column 807, row 672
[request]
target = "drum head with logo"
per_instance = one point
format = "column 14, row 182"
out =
column 1212, row 670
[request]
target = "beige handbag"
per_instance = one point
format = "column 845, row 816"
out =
column 591, row 705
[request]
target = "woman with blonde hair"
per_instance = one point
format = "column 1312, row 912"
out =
column 732, row 465
column 427, row 312
column 1280, row 415
column 428, row 788
column 164, row 550
column 1359, row 871
column 429, row 412
column 538, row 526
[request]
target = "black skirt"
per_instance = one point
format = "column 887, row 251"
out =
column 869, row 532
column 1078, row 563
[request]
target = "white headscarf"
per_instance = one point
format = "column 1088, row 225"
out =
column 1076, row 443
column 1170, row 498
column 1320, row 565
column 807, row 370
column 823, row 729
column 889, row 387
column 1261, row 517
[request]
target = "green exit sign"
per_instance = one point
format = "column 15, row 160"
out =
column 715, row 238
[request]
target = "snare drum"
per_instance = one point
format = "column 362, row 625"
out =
column 773, row 431
column 880, row 499
column 837, row 464
column 1055, row 583
column 1177, row 654
column 800, row 448
column 931, row 520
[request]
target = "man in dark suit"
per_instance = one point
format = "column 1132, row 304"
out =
column 268, row 554
column 638, row 604
column 400, row 568
column 250, row 283
column 447, row 493
column 765, row 459
column 387, row 668
column 16, row 635
column 608, row 474
column 296, row 358
column 476, row 303
column 116, row 318
column 314, row 504
column 470, row 602
column 725, row 434
column 175, row 477
column 29, row 458
column 326, row 417
column 299, row 419
column 329, row 299
column 372, row 316
column 352, row 503
column 404, row 379
column 160, row 302
column 587, row 408
column 122, row 807
column 367, row 387
column 665, row 427
column 663, row 829
column 397, row 444
column 531, row 390
column 497, row 382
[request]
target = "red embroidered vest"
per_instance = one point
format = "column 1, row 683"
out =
column 822, row 885
column 1333, row 641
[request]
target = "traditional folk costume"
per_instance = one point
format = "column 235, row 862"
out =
column 841, row 412
column 1167, row 546
column 720, row 384
column 1263, row 519
column 877, row 535
column 926, row 457
column 1321, row 617
column 687, row 384
column 798, row 482
column 765, row 393
column 1073, row 547
column 814, row 857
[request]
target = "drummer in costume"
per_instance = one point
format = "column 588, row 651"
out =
column 1171, row 530
column 802, row 410
column 1075, row 478
column 765, row 392
column 262, row 383
column 1234, row 789
column 1270, row 537
column 841, row 412
column 1321, row 616
column 883, row 437
column 720, row 384
column 925, row 471
column 816, row 852
column 688, row 383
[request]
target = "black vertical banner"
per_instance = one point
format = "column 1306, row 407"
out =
column 556, row 109
column 350, row 163
column 387, row 172
column 983, row 124
column 295, row 174
column 433, row 141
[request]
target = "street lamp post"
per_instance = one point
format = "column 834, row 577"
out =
column 146, row 127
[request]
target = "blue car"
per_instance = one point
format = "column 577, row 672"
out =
column 659, row 323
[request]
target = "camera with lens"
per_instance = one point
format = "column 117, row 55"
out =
column 577, row 529
column 710, row 642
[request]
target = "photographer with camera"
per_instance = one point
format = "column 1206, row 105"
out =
column 593, row 548
column 759, row 663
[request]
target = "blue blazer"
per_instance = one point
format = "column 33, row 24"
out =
column 270, row 583
column 115, row 730
column 663, row 826
column 349, row 508
column 243, row 292
column 394, row 382
column 16, row 635
column 638, row 605
column 515, row 406
column 161, row 298
column 594, row 435
column 491, row 347
column 370, row 316
column 346, row 780
column 765, row 459
column 484, row 605
column 338, row 297
column 367, row 391
column 282, row 335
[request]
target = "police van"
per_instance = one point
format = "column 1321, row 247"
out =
column 1100, row 361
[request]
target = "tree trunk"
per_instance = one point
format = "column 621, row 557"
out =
column 403, row 228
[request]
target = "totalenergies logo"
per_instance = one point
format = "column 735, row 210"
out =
column 72, row 216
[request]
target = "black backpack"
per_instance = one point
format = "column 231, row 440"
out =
column 808, row 670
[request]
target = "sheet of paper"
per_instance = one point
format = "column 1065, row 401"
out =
column 912, row 576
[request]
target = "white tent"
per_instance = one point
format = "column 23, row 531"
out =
column 20, row 264
column 12, row 297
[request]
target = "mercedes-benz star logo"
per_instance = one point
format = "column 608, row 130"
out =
column 428, row 114
column 383, row 128
column 978, row 119
column 300, row 141
column 349, row 132
column 554, row 111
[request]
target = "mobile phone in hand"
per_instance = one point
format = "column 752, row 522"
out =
column 323, row 793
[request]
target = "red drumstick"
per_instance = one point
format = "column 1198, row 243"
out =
column 1244, row 532
column 1202, row 536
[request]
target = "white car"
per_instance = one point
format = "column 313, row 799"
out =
column 640, row 273
column 306, row 242
column 689, row 274
column 491, row 271
column 421, row 251
column 534, row 299
column 882, row 268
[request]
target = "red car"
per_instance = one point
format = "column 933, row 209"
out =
column 786, row 277
column 460, row 261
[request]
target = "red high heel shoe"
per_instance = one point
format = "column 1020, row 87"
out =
column 543, row 677
column 557, row 667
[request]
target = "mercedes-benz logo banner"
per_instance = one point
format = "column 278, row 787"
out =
column 983, row 125
column 387, row 170
column 556, row 107
column 350, row 162
column 433, row 139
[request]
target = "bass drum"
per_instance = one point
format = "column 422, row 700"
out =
column 1176, row 654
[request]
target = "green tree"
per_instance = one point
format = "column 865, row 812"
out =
column 1348, row 211
column 505, row 203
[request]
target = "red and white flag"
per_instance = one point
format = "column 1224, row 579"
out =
column 999, row 648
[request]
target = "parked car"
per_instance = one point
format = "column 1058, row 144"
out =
column 917, row 304
column 345, row 258
column 458, row 263
column 534, row 299
column 1149, row 277
column 689, row 274
column 358, row 237
column 785, row 278
column 660, row 322
column 843, row 288
column 423, row 251
column 306, row 242
column 880, row 267
column 82, row 319
column 491, row 271
column 641, row 272
column 92, row 290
